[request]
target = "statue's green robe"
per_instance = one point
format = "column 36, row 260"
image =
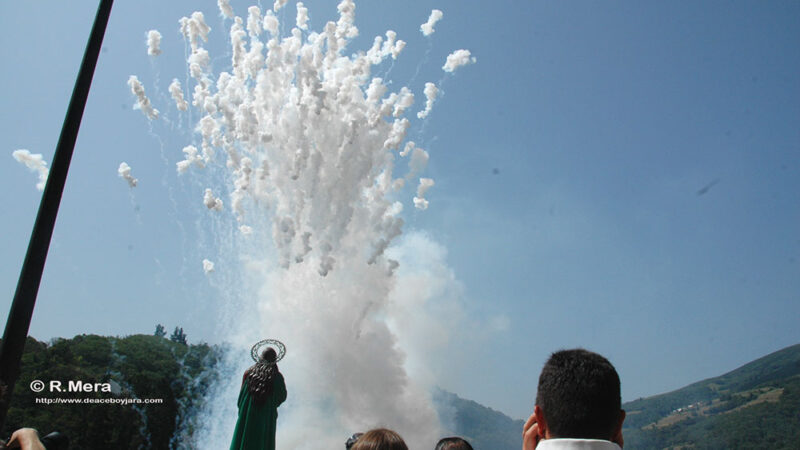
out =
column 255, row 428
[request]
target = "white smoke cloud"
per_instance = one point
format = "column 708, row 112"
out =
column 308, row 140
column 430, row 95
column 142, row 102
column 36, row 163
column 124, row 171
column 302, row 16
column 192, row 158
column 208, row 266
column 419, row 200
column 427, row 27
column 177, row 95
column 254, row 22
column 457, row 59
column 225, row 8
column 153, row 43
column 194, row 29
column 278, row 5
column 212, row 202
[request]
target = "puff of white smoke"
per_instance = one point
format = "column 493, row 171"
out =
column 392, row 45
column 254, row 22
column 245, row 229
column 142, row 102
column 192, row 157
column 404, row 101
column 430, row 94
column 208, row 266
column 198, row 63
column 410, row 145
column 153, row 43
column 398, row 133
column 194, row 28
column 278, row 5
column 177, row 95
column 225, row 8
column 302, row 16
column 271, row 23
column 212, row 202
column 419, row 159
column 347, row 17
column 124, row 171
column 457, row 59
column 427, row 27
column 419, row 200
column 35, row 162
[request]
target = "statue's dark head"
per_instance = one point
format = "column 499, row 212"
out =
column 269, row 355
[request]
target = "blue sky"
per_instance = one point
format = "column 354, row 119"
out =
column 570, row 163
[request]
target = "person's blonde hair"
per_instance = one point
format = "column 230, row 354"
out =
column 380, row 439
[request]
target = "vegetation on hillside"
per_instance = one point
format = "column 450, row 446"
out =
column 135, row 367
column 483, row 427
column 754, row 406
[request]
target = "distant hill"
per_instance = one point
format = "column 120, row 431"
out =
column 483, row 427
column 755, row 406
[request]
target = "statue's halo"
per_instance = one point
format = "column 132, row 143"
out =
column 255, row 352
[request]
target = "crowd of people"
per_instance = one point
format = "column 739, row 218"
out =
column 578, row 407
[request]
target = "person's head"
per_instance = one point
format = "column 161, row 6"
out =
column 269, row 355
column 380, row 439
column 352, row 440
column 453, row 443
column 579, row 397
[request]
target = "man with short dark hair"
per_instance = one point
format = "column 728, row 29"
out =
column 578, row 404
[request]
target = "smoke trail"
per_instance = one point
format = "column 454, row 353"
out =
column 124, row 171
column 310, row 141
column 36, row 163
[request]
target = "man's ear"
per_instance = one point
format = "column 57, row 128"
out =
column 544, row 431
column 617, row 438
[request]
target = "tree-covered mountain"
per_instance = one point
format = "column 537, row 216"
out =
column 135, row 367
column 483, row 427
column 755, row 406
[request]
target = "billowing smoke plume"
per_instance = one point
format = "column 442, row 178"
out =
column 177, row 95
column 35, row 163
column 225, row 8
column 457, row 59
column 309, row 140
column 212, row 202
column 153, row 43
column 124, row 171
column 142, row 102
column 430, row 95
column 208, row 266
column 427, row 27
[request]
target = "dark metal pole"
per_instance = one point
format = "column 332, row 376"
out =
column 19, row 318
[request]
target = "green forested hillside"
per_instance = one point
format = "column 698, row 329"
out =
column 138, row 367
column 754, row 406
column 483, row 427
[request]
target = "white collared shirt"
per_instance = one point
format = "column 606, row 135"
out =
column 576, row 444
